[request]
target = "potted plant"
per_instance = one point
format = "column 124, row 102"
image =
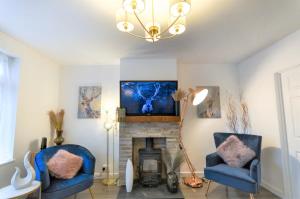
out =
column 56, row 121
column 172, row 164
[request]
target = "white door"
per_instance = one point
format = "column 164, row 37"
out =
column 291, row 102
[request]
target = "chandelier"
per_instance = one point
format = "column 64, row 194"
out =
column 144, row 13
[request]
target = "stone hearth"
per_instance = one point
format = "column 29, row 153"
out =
column 129, row 131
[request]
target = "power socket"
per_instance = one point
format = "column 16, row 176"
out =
column 104, row 167
column 103, row 171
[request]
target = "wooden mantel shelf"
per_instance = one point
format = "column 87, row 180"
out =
column 152, row 119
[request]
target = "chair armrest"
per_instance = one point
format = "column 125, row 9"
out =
column 88, row 164
column 255, row 170
column 41, row 170
column 213, row 160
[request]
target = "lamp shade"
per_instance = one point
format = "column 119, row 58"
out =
column 132, row 6
column 123, row 21
column 178, row 27
column 200, row 97
column 180, row 7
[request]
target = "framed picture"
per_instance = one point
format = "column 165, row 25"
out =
column 211, row 106
column 89, row 105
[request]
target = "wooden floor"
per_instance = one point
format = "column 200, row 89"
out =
column 216, row 192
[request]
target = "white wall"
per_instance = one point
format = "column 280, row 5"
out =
column 148, row 69
column 89, row 132
column 198, row 133
column 258, row 87
column 38, row 93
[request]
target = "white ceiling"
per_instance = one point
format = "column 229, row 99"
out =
column 83, row 32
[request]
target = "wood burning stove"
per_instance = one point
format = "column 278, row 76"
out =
column 150, row 164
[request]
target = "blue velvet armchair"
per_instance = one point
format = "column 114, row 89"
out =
column 58, row 188
column 246, row 179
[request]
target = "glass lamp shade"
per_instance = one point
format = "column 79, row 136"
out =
column 122, row 20
column 200, row 97
column 179, row 27
column 180, row 7
column 132, row 6
column 154, row 29
column 108, row 125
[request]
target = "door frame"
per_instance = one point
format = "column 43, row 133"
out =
column 287, row 176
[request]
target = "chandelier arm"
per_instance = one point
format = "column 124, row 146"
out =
column 168, row 37
column 138, row 36
column 139, row 20
column 169, row 26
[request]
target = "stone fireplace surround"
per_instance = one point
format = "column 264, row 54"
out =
column 129, row 131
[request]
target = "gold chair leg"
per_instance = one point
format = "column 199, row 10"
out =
column 91, row 192
column 251, row 196
column 209, row 182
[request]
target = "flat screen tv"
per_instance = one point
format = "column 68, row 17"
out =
column 148, row 98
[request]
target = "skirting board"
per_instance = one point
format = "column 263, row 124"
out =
column 100, row 176
column 272, row 189
column 264, row 184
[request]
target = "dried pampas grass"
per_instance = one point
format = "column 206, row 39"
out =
column 57, row 119
column 172, row 163
column 238, row 118
column 179, row 95
column 245, row 118
column 232, row 115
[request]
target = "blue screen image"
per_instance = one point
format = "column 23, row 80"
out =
column 148, row 97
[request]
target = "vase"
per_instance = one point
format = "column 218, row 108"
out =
column 129, row 176
column 43, row 143
column 172, row 182
column 59, row 138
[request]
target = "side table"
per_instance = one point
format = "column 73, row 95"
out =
column 10, row 192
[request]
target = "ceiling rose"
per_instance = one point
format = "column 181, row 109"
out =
column 153, row 21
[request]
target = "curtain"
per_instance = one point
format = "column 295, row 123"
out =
column 7, row 114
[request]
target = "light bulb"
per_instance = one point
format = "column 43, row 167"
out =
column 123, row 21
column 132, row 6
column 200, row 97
column 180, row 7
column 178, row 27
column 125, row 26
column 108, row 125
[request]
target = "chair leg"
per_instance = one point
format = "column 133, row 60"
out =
column 91, row 192
column 209, row 182
column 251, row 196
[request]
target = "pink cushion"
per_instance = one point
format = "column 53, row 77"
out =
column 64, row 165
column 234, row 152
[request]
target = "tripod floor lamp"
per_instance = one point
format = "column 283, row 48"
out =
column 196, row 96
